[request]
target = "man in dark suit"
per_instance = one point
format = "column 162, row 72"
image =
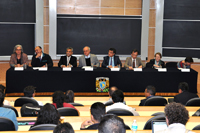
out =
column 150, row 91
column 111, row 60
column 41, row 59
column 68, row 60
column 184, row 94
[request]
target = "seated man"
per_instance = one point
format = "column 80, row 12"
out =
column 184, row 94
column 118, row 98
column 2, row 88
column 150, row 91
column 110, row 92
column 63, row 128
column 185, row 63
column 176, row 118
column 133, row 61
column 88, row 59
column 68, row 60
column 41, row 59
column 111, row 60
column 29, row 91
column 8, row 113
column 97, row 110
column 111, row 124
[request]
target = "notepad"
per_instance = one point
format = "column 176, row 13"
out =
column 89, row 69
column 162, row 70
column 43, row 69
column 137, row 69
column 185, row 70
column 67, row 68
column 114, row 69
column 19, row 68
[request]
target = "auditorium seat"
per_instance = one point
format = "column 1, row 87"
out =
column 10, row 107
column 155, row 101
column 43, row 127
column 193, row 102
column 76, row 104
column 148, row 123
column 66, row 111
column 109, row 103
column 23, row 100
column 120, row 112
column 6, row 124
column 158, row 113
column 171, row 65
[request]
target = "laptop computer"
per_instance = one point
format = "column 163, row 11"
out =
column 158, row 125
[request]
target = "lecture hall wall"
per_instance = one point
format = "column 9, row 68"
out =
column 99, row 7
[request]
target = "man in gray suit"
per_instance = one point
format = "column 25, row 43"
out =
column 133, row 61
column 88, row 59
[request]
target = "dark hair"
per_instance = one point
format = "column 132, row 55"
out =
column 113, row 49
column 2, row 87
column 63, row 128
column 118, row 96
column 39, row 47
column 112, row 90
column 176, row 113
column 58, row 98
column 69, row 96
column 158, row 53
column 151, row 89
column 111, row 124
column 189, row 59
column 134, row 50
column 183, row 86
column 29, row 90
column 48, row 115
column 97, row 110
column 2, row 96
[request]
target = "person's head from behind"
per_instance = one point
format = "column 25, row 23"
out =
column 63, row 128
column 97, row 111
column 69, row 96
column 2, row 96
column 118, row 96
column 58, row 98
column 188, row 61
column 111, row 52
column 2, row 88
column 111, row 90
column 111, row 124
column 150, row 91
column 183, row 86
column 48, row 115
column 29, row 91
column 176, row 113
column 134, row 53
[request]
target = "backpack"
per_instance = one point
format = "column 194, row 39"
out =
column 29, row 110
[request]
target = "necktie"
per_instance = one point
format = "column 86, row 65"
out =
column 133, row 63
column 40, row 58
column 111, row 61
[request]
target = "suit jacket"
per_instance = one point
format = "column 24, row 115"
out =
column 129, row 62
column 152, row 62
column 63, row 61
column 106, row 61
column 184, row 97
column 93, row 59
column 45, row 59
column 13, row 59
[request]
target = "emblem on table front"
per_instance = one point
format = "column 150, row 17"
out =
column 102, row 84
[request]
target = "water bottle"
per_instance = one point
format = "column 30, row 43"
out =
column 134, row 126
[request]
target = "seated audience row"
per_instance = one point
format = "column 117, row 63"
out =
column 40, row 59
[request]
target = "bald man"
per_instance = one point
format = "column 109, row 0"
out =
column 88, row 59
column 41, row 59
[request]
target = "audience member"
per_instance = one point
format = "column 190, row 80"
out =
column 29, row 91
column 110, row 92
column 184, row 94
column 59, row 100
column 118, row 98
column 48, row 115
column 111, row 124
column 8, row 113
column 3, row 88
column 97, row 110
column 176, row 118
column 69, row 96
column 63, row 128
column 150, row 91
